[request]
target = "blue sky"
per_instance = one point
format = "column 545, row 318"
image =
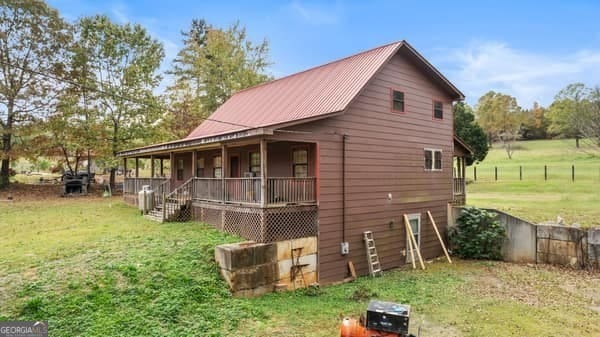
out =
column 529, row 49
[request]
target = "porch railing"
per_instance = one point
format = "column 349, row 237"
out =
column 134, row 185
column 291, row 190
column 459, row 186
column 280, row 190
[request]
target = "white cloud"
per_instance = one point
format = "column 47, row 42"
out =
column 317, row 14
column 528, row 75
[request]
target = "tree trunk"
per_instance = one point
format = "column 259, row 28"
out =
column 6, row 147
column 577, row 142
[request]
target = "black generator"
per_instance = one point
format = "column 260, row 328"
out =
column 388, row 317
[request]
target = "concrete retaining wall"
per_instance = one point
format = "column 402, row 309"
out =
column 545, row 243
column 254, row 269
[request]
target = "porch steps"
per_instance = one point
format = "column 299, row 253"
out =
column 372, row 257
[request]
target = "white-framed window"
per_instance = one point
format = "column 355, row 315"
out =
column 432, row 159
column 438, row 110
column 300, row 163
column 415, row 224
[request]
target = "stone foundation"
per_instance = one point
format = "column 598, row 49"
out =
column 254, row 269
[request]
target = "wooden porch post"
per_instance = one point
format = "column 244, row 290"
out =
column 172, row 161
column 162, row 168
column 194, row 162
column 263, row 173
column 124, row 167
column 151, row 166
column 224, row 168
column 137, row 167
column 464, row 179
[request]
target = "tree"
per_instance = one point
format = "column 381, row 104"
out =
column 468, row 130
column 212, row 65
column 124, row 60
column 587, row 121
column 535, row 124
column 563, row 112
column 500, row 116
column 31, row 39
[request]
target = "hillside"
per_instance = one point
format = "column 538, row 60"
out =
column 533, row 197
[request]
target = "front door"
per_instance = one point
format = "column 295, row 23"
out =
column 415, row 224
column 234, row 166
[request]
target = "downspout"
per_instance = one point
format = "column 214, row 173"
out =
column 344, row 137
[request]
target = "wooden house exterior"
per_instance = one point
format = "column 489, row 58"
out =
column 347, row 147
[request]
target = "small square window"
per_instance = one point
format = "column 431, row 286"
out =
column 398, row 101
column 438, row 110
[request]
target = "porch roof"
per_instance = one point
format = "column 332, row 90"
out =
column 461, row 148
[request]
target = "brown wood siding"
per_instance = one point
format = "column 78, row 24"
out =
column 384, row 154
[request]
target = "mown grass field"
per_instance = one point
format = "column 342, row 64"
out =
column 94, row 267
column 534, row 198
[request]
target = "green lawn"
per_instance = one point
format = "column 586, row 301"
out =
column 94, row 267
column 533, row 197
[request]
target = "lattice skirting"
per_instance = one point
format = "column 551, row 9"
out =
column 259, row 224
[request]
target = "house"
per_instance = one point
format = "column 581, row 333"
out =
column 333, row 151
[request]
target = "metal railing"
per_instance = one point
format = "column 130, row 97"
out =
column 291, row 190
column 134, row 185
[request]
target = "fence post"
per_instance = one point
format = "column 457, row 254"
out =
column 520, row 172
column 545, row 172
column 573, row 173
column 475, row 173
column 496, row 173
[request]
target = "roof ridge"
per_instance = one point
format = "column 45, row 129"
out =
column 320, row 66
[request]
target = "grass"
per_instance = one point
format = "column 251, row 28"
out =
column 534, row 198
column 94, row 267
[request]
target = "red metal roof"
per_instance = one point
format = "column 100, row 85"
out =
column 311, row 93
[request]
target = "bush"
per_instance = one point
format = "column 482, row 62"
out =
column 478, row 235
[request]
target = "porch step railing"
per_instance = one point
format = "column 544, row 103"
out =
column 176, row 206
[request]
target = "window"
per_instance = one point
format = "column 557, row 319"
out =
column 433, row 160
column 217, row 167
column 300, row 160
column 415, row 224
column 438, row 110
column 200, row 167
column 255, row 163
column 180, row 169
column 397, row 101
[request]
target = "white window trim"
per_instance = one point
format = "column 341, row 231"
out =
column 433, row 169
column 413, row 216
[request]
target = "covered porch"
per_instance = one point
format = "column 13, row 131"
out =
column 459, row 184
column 262, row 189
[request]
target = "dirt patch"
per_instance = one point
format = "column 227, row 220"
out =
column 537, row 285
column 35, row 192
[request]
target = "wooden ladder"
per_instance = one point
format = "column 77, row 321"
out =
column 372, row 257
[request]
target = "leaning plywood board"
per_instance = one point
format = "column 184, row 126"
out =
column 439, row 236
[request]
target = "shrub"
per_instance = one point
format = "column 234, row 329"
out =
column 478, row 235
